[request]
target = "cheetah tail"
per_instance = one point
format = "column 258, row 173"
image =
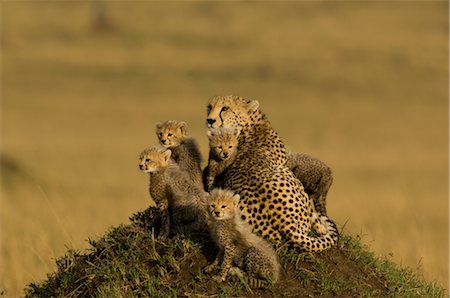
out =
column 256, row 283
column 306, row 242
column 332, row 237
column 252, row 282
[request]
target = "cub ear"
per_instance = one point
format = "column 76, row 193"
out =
column 158, row 125
column 183, row 128
column 236, row 132
column 236, row 199
column 166, row 155
column 253, row 105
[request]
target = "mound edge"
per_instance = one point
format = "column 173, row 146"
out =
column 129, row 260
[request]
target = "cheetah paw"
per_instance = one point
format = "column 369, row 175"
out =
column 209, row 268
column 218, row 278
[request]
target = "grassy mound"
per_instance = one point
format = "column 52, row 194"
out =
column 129, row 260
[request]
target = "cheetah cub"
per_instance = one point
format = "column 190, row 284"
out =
column 223, row 143
column 174, row 193
column 173, row 135
column 315, row 175
column 254, row 258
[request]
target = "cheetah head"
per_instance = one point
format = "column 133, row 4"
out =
column 153, row 159
column 222, row 204
column 223, row 141
column 230, row 111
column 171, row 133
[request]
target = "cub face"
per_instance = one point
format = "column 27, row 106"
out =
column 171, row 133
column 222, row 204
column 223, row 141
column 153, row 159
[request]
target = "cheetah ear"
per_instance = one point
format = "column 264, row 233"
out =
column 158, row 125
column 183, row 128
column 253, row 105
column 166, row 155
column 236, row 132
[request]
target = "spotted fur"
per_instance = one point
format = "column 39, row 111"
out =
column 273, row 201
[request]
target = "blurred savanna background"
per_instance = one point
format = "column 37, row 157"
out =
column 360, row 85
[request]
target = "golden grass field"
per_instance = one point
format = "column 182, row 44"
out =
column 361, row 85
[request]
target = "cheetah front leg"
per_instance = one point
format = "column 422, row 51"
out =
column 213, row 266
column 208, row 178
column 209, row 182
column 226, row 265
column 163, row 208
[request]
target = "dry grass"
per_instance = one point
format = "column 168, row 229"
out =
column 363, row 86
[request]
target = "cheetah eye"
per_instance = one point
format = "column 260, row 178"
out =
column 223, row 206
column 224, row 109
column 220, row 147
column 160, row 134
column 147, row 160
column 230, row 147
column 213, row 206
column 169, row 134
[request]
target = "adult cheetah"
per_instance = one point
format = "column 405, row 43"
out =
column 273, row 201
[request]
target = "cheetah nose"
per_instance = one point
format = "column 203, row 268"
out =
column 141, row 167
column 217, row 213
column 210, row 121
column 163, row 141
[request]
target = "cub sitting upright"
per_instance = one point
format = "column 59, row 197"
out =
column 223, row 143
column 172, row 134
column 174, row 192
column 255, row 259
